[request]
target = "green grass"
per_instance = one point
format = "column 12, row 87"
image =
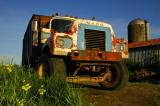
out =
column 22, row 87
column 6, row 60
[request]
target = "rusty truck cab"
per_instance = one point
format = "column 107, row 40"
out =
column 83, row 50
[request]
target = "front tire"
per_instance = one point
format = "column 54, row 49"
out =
column 118, row 79
column 57, row 66
column 49, row 66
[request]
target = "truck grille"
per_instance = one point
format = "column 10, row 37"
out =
column 95, row 39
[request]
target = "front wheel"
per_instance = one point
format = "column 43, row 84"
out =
column 50, row 66
column 118, row 78
column 57, row 66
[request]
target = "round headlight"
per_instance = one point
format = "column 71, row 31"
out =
column 64, row 42
column 60, row 42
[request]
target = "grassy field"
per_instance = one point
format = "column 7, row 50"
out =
column 22, row 87
column 143, row 93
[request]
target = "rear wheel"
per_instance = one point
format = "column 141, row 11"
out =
column 118, row 78
column 41, row 70
column 42, row 67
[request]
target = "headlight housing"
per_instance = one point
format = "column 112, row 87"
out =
column 120, row 48
column 63, row 42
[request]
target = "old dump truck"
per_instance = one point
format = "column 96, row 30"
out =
column 83, row 50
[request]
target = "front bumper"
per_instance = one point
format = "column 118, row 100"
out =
column 95, row 55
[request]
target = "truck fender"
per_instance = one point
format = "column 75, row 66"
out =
column 46, row 47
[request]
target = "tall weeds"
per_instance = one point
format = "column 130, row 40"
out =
column 22, row 87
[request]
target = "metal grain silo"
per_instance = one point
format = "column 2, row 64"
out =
column 138, row 30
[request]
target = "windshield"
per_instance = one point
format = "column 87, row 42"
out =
column 61, row 26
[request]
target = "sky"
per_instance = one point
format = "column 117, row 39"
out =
column 15, row 15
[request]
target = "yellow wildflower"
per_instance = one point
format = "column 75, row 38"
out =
column 26, row 87
column 20, row 102
column 41, row 90
column 24, row 81
column 9, row 67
